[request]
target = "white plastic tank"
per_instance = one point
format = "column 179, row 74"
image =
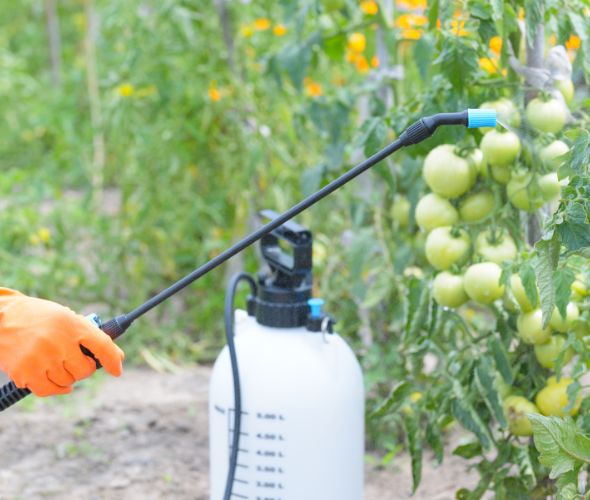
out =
column 303, row 416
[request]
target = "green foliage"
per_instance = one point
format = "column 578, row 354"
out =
column 561, row 446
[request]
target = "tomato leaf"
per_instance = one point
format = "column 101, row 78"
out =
column 525, row 466
column 501, row 359
column 396, row 397
column 433, row 7
column 574, row 229
column 469, row 450
column 434, row 440
column 484, row 381
column 414, row 440
column 560, row 443
column 576, row 160
column 458, row 60
column 418, row 315
column 466, row 415
column 372, row 135
column 529, row 282
column 562, row 281
column 567, row 485
column 545, row 264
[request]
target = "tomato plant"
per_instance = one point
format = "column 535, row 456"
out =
column 445, row 266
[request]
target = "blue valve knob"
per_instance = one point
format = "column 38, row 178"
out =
column 316, row 307
column 481, row 118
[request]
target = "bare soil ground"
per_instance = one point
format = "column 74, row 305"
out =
column 144, row 436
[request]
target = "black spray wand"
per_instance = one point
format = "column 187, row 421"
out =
column 415, row 133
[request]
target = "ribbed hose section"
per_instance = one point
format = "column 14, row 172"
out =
column 10, row 394
column 415, row 133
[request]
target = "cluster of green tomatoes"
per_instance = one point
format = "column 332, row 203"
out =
column 467, row 238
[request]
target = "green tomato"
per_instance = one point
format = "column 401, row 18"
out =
column 499, row 251
column 520, row 294
column 400, row 210
column 553, row 399
column 567, row 89
column 550, row 154
column 446, row 173
column 548, row 352
column 579, row 288
column 447, row 289
column 516, row 409
column 500, row 148
column 550, row 186
column 546, row 116
column 434, row 211
column 561, row 324
column 477, row 206
column 523, row 192
column 530, row 327
column 506, row 111
column 443, row 249
column 501, row 173
column 482, row 282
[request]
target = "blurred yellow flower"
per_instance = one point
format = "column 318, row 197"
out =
column 458, row 28
column 44, row 234
column 369, row 7
column 125, row 90
column 496, row 44
column 362, row 65
column 312, row 88
column 573, row 43
column 407, row 21
column 412, row 34
column 411, row 4
column 262, row 24
column 350, row 56
column 492, row 66
column 214, row 93
column 552, row 40
column 357, row 42
column 521, row 14
column 488, row 65
column 279, row 30
column 375, row 62
column 246, row 30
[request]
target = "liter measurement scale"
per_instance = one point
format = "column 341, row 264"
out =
column 302, row 429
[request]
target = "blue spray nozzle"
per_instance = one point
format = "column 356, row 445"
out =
column 481, row 118
column 316, row 307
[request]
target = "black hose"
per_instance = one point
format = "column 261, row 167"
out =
column 229, row 336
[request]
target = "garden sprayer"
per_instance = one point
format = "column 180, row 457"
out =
column 313, row 396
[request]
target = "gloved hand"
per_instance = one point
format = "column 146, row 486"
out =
column 40, row 345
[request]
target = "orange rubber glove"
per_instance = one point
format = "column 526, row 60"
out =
column 40, row 345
